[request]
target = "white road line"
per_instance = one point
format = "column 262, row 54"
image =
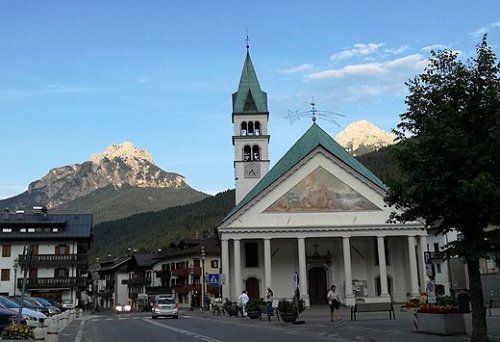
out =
column 182, row 331
column 79, row 334
column 110, row 319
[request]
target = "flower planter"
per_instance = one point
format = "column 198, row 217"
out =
column 441, row 324
column 288, row 317
column 253, row 314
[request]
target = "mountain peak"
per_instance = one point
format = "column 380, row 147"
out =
column 362, row 136
column 125, row 151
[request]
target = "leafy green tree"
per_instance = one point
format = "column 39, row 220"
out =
column 449, row 158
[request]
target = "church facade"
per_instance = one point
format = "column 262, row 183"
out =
column 316, row 219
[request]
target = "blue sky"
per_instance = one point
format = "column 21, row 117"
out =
column 78, row 76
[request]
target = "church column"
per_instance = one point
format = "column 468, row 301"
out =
column 422, row 246
column 267, row 263
column 382, row 266
column 302, row 268
column 225, row 268
column 413, row 267
column 237, row 267
column 349, row 296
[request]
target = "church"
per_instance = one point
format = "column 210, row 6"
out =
column 317, row 218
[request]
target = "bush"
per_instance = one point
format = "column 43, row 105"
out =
column 253, row 304
column 446, row 300
column 14, row 332
column 290, row 306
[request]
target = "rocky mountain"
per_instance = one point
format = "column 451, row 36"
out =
column 362, row 137
column 123, row 176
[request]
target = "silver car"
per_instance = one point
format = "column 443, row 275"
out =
column 166, row 307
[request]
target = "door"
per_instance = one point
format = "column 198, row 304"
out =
column 252, row 287
column 317, row 285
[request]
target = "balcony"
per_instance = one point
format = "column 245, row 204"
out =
column 139, row 281
column 184, row 289
column 44, row 283
column 181, row 272
column 47, row 260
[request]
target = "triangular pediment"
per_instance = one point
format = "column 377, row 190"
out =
column 321, row 191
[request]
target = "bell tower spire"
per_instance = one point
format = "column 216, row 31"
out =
column 250, row 137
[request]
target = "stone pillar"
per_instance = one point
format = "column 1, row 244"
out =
column 225, row 268
column 349, row 296
column 422, row 247
column 237, row 268
column 412, row 267
column 302, row 269
column 382, row 267
column 267, row 263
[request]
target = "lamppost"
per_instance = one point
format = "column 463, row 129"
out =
column 15, row 266
column 202, row 257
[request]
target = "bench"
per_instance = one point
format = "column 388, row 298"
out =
column 263, row 311
column 494, row 303
column 372, row 307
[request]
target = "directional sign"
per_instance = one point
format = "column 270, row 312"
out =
column 213, row 279
column 427, row 257
column 428, row 270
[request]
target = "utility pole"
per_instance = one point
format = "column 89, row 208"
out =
column 27, row 256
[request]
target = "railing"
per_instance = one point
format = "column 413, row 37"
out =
column 184, row 289
column 52, row 282
column 137, row 281
column 181, row 272
column 54, row 259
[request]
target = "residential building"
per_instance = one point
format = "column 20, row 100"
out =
column 112, row 288
column 57, row 265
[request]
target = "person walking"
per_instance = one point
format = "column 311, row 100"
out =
column 334, row 303
column 242, row 302
column 269, row 302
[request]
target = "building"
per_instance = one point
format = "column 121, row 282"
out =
column 112, row 286
column 316, row 218
column 57, row 267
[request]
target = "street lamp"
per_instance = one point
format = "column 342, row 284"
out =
column 15, row 266
column 202, row 257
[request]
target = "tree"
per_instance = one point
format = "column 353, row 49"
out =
column 449, row 157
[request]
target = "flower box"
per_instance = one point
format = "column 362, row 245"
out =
column 441, row 324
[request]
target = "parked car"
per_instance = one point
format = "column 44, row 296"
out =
column 166, row 307
column 31, row 304
column 33, row 318
column 67, row 304
column 45, row 303
column 123, row 308
column 55, row 303
column 8, row 317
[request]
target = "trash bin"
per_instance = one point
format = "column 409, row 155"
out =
column 463, row 301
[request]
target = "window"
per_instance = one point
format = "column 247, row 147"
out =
column 62, row 249
column 436, row 247
column 61, row 273
column 214, row 263
column 251, row 256
column 438, row 268
column 6, row 230
column 243, row 128
column 33, row 273
column 247, row 152
column 35, row 249
column 5, row 274
column 6, row 251
column 255, row 152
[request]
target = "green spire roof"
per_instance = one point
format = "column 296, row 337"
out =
column 313, row 138
column 249, row 98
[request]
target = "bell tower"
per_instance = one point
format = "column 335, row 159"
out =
column 250, row 137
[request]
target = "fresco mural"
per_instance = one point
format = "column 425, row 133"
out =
column 321, row 191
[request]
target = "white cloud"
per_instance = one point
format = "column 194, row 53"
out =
column 411, row 63
column 357, row 50
column 298, row 68
column 485, row 29
column 435, row 47
column 396, row 51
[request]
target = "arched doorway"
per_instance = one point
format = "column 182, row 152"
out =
column 317, row 285
column 252, row 287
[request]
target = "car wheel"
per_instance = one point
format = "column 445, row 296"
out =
column 153, row 317
column 176, row 316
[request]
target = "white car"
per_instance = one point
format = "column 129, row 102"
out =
column 33, row 318
column 67, row 304
column 166, row 307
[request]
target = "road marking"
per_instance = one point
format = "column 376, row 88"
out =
column 109, row 319
column 182, row 331
column 79, row 334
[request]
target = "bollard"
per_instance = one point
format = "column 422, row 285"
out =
column 60, row 322
column 52, row 333
column 38, row 334
column 79, row 312
column 46, row 324
column 65, row 319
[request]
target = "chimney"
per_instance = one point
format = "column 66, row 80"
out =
column 6, row 214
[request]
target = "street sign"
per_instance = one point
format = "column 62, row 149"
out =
column 427, row 257
column 213, row 279
column 428, row 270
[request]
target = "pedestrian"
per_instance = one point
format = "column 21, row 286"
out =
column 242, row 302
column 269, row 302
column 334, row 302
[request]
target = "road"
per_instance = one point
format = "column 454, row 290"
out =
column 140, row 327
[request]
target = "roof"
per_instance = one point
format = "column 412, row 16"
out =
column 249, row 98
column 313, row 138
column 211, row 245
column 113, row 264
column 144, row 259
column 73, row 226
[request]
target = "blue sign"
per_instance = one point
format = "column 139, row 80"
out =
column 213, row 279
column 427, row 257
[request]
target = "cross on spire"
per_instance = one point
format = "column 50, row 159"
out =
column 248, row 41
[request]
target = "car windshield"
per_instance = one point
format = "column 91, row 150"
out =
column 43, row 301
column 166, row 301
column 8, row 303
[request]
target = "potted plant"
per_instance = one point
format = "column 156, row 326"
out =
column 288, row 309
column 253, row 308
column 440, row 319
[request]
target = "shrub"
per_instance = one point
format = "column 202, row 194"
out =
column 446, row 300
column 253, row 304
column 14, row 332
column 285, row 305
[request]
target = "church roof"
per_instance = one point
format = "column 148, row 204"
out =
column 249, row 98
column 313, row 138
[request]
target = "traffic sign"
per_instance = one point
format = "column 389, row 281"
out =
column 427, row 257
column 213, row 279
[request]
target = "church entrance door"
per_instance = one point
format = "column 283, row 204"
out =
column 317, row 285
column 252, row 287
